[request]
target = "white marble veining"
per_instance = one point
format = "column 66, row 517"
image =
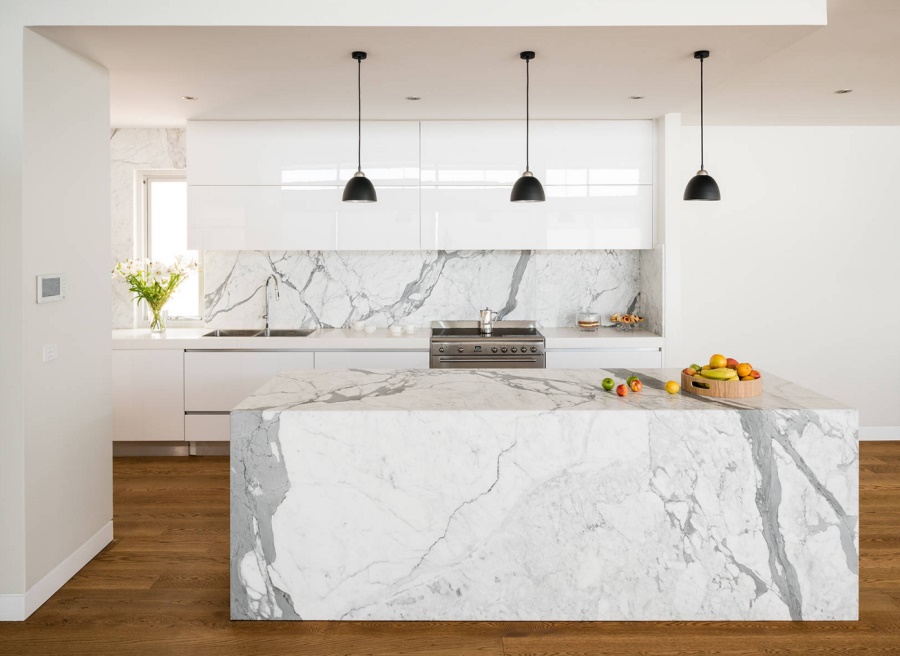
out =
column 334, row 289
column 536, row 495
column 135, row 149
column 651, row 286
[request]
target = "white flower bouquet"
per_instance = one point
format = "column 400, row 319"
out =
column 154, row 282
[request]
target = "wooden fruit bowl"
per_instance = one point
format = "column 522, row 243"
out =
column 721, row 389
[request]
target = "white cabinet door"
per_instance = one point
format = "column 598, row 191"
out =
column 597, row 176
column 482, row 218
column 316, row 153
column 277, row 185
column 301, row 218
column 372, row 359
column 563, row 153
column 207, row 428
column 148, row 395
column 216, row 381
column 647, row 358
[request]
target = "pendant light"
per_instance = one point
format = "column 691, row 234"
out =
column 701, row 186
column 359, row 188
column 528, row 188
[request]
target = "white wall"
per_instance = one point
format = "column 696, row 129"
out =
column 58, row 439
column 797, row 270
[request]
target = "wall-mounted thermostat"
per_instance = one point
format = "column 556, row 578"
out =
column 51, row 287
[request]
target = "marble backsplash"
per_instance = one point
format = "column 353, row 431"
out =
column 334, row 289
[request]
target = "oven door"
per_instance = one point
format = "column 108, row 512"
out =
column 487, row 362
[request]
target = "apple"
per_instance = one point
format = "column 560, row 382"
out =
column 731, row 363
column 631, row 379
column 755, row 373
column 608, row 384
column 636, row 385
column 621, row 390
column 690, row 371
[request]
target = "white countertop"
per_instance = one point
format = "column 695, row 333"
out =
column 342, row 339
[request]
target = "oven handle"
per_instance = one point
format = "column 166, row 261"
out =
column 452, row 359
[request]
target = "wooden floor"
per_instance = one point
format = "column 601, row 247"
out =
column 162, row 588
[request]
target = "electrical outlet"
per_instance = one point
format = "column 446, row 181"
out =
column 51, row 352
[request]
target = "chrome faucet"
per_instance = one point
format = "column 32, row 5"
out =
column 486, row 322
column 277, row 296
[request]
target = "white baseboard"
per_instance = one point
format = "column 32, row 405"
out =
column 879, row 433
column 16, row 608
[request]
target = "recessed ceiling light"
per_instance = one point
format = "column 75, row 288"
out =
column 841, row 92
column 414, row 97
column 635, row 97
column 189, row 97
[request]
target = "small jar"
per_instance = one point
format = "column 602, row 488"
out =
column 586, row 320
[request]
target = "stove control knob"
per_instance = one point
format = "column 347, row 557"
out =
column 441, row 350
column 513, row 349
column 503, row 349
column 460, row 349
column 534, row 349
column 494, row 349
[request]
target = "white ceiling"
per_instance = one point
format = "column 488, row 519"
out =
column 756, row 75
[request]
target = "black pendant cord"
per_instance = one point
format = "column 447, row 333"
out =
column 527, row 113
column 702, row 168
column 359, row 114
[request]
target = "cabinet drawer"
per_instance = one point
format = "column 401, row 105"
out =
column 207, row 428
column 148, row 395
column 605, row 359
column 371, row 360
column 216, row 381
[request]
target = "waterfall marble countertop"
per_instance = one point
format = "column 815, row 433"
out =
column 337, row 339
column 534, row 390
column 536, row 495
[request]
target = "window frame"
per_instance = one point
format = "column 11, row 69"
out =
column 143, row 180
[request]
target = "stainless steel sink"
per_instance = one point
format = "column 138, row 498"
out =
column 273, row 332
column 234, row 333
column 285, row 332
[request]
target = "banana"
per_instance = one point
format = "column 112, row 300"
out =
column 723, row 373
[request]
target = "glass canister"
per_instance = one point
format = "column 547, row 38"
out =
column 587, row 320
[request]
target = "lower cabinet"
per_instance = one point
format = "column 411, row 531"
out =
column 216, row 381
column 372, row 360
column 148, row 395
column 643, row 358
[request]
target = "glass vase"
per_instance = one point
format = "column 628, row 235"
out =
column 158, row 318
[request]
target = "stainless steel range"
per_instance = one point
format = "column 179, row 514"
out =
column 508, row 345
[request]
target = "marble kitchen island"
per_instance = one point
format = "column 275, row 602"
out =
column 537, row 495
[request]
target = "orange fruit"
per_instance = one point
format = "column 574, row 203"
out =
column 744, row 369
column 718, row 361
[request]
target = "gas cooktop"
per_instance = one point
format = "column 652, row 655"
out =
column 499, row 332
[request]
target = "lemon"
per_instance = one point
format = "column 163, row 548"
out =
column 672, row 387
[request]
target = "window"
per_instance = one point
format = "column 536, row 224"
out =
column 165, row 237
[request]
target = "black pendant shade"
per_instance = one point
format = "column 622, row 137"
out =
column 359, row 189
column 702, row 186
column 528, row 188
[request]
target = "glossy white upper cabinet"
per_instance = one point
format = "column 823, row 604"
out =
column 572, row 218
column 301, row 152
column 563, row 153
column 597, row 176
column 277, row 185
column 300, row 218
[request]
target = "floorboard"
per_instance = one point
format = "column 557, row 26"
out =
column 162, row 588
